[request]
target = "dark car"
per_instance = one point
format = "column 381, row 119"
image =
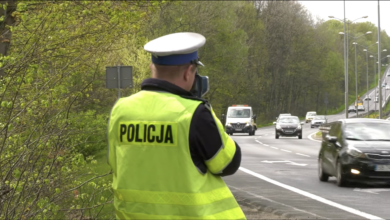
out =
column 351, row 109
column 288, row 126
column 355, row 150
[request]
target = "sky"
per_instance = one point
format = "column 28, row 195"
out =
column 353, row 10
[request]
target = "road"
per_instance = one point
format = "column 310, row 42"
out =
column 282, row 174
column 371, row 104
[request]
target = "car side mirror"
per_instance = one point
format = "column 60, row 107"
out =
column 254, row 116
column 274, row 123
column 276, row 118
column 331, row 139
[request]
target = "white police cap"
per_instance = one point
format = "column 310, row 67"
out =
column 176, row 49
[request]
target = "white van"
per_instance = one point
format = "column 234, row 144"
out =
column 310, row 116
column 240, row 119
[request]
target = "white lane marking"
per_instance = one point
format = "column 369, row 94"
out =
column 270, row 200
column 285, row 150
column 303, row 155
column 312, row 196
column 285, row 161
column 312, row 138
column 259, row 142
column 274, row 147
column 278, row 161
column 297, row 164
column 266, row 145
column 373, row 191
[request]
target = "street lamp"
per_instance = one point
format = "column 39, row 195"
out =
column 379, row 56
column 356, row 85
column 379, row 81
column 368, row 102
column 374, row 81
column 346, row 56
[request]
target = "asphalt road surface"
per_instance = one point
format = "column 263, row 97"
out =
column 282, row 174
column 371, row 104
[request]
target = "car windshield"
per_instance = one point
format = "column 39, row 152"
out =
column 311, row 114
column 289, row 120
column 238, row 113
column 367, row 131
column 320, row 117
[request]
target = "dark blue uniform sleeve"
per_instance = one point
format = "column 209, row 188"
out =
column 205, row 141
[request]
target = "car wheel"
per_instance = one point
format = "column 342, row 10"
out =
column 276, row 136
column 321, row 175
column 300, row 137
column 341, row 181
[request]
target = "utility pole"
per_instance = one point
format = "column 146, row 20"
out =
column 368, row 101
column 379, row 62
column 345, row 66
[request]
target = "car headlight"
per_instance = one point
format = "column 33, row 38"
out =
column 299, row 127
column 228, row 125
column 355, row 152
column 248, row 123
column 278, row 126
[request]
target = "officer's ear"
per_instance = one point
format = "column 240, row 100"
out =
column 189, row 72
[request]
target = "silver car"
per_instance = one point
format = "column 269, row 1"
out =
column 318, row 121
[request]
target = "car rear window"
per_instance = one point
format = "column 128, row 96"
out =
column 289, row 120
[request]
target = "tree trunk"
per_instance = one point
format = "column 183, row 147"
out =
column 5, row 33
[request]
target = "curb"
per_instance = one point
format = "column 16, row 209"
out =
column 313, row 139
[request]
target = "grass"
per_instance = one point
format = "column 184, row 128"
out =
column 100, row 168
column 264, row 124
column 352, row 96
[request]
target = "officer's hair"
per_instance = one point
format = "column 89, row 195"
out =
column 170, row 72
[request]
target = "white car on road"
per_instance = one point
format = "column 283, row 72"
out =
column 310, row 116
column 318, row 121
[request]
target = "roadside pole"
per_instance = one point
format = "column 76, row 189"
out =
column 326, row 103
column 379, row 62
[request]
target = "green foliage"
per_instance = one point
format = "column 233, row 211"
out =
column 55, row 106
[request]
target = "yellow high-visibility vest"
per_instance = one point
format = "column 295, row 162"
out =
column 154, row 176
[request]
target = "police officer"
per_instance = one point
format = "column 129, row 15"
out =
column 167, row 149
